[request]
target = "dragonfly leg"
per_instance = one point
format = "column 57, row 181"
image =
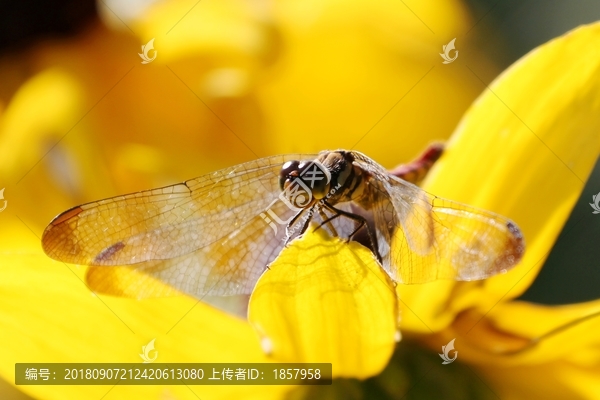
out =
column 305, row 225
column 361, row 222
column 327, row 220
column 288, row 233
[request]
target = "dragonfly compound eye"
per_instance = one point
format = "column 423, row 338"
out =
column 288, row 172
column 304, row 182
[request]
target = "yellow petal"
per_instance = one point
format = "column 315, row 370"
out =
column 54, row 98
column 562, row 365
column 524, row 150
column 345, row 67
column 230, row 31
column 323, row 300
column 556, row 380
column 577, row 344
column 47, row 314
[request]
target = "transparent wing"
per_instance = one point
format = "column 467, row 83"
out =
column 229, row 266
column 203, row 236
column 423, row 237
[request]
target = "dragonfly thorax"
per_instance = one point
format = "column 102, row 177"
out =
column 347, row 177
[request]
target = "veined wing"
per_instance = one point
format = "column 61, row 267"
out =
column 174, row 221
column 423, row 237
column 230, row 265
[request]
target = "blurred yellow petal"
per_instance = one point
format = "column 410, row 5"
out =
column 557, row 380
column 345, row 66
column 126, row 282
column 44, row 110
column 577, row 343
column 65, row 322
column 54, row 98
column 231, row 30
column 504, row 337
column 524, row 150
column 323, row 300
column 562, row 365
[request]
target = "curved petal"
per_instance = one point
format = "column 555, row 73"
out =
column 562, row 365
column 323, row 300
column 49, row 315
column 524, row 150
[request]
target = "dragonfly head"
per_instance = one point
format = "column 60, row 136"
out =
column 304, row 182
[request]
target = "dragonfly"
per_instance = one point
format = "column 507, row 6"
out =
column 217, row 234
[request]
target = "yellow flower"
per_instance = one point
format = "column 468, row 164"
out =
column 510, row 148
column 227, row 72
column 531, row 157
column 231, row 82
column 530, row 161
